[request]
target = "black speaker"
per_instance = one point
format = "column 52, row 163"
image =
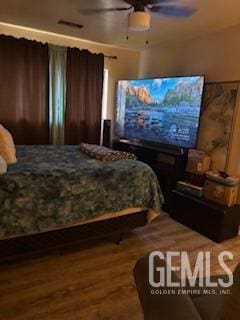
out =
column 107, row 133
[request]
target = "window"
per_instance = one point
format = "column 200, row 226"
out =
column 104, row 100
column 105, row 94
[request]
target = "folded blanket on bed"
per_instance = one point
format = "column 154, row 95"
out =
column 105, row 154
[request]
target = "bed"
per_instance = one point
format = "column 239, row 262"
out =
column 58, row 187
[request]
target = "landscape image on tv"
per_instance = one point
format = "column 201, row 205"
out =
column 162, row 110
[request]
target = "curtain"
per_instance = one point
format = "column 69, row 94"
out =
column 57, row 93
column 24, row 90
column 84, row 96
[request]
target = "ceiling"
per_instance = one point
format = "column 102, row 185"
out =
column 111, row 27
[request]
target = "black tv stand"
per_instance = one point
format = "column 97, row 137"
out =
column 168, row 163
column 153, row 146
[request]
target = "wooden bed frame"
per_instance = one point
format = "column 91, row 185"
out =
column 16, row 248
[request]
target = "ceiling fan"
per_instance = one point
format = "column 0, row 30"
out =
column 140, row 10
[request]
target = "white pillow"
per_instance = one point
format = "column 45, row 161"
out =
column 3, row 165
column 7, row 147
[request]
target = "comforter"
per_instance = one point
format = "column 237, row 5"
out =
column 58, row 186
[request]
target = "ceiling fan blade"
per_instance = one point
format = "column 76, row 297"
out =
column 174, row 11
column 95, row 11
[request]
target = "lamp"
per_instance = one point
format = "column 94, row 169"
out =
column 139, row 21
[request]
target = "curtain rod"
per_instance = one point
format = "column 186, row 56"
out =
column 111, row 57
column 105, row 56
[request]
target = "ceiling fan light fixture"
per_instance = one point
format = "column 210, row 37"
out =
column 139, row 21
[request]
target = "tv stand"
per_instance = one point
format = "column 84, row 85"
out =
column 153, row 146
column 168, row 163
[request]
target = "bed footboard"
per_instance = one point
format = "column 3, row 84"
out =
column 27, row 245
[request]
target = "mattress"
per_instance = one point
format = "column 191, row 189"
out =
column 57, row 186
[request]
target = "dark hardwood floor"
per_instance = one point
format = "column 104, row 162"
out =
column 96, row 281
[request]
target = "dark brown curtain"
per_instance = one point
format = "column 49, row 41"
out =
column 84, row 96
column 24, row 90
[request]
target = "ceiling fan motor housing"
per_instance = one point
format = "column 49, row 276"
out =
column 139, row 21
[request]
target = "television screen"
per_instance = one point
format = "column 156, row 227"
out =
column 162, row 110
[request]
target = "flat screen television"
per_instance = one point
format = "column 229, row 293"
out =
column 162, row 110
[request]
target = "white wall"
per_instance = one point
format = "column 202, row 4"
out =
column 217, row 56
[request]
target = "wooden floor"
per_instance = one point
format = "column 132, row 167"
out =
column 94, row 282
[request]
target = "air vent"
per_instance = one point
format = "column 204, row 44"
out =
column 70, row 24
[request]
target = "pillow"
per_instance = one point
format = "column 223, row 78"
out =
column 7, row 147
column 3, row 165
column 105, row 154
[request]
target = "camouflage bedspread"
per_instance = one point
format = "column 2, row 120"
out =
column 52, row 187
